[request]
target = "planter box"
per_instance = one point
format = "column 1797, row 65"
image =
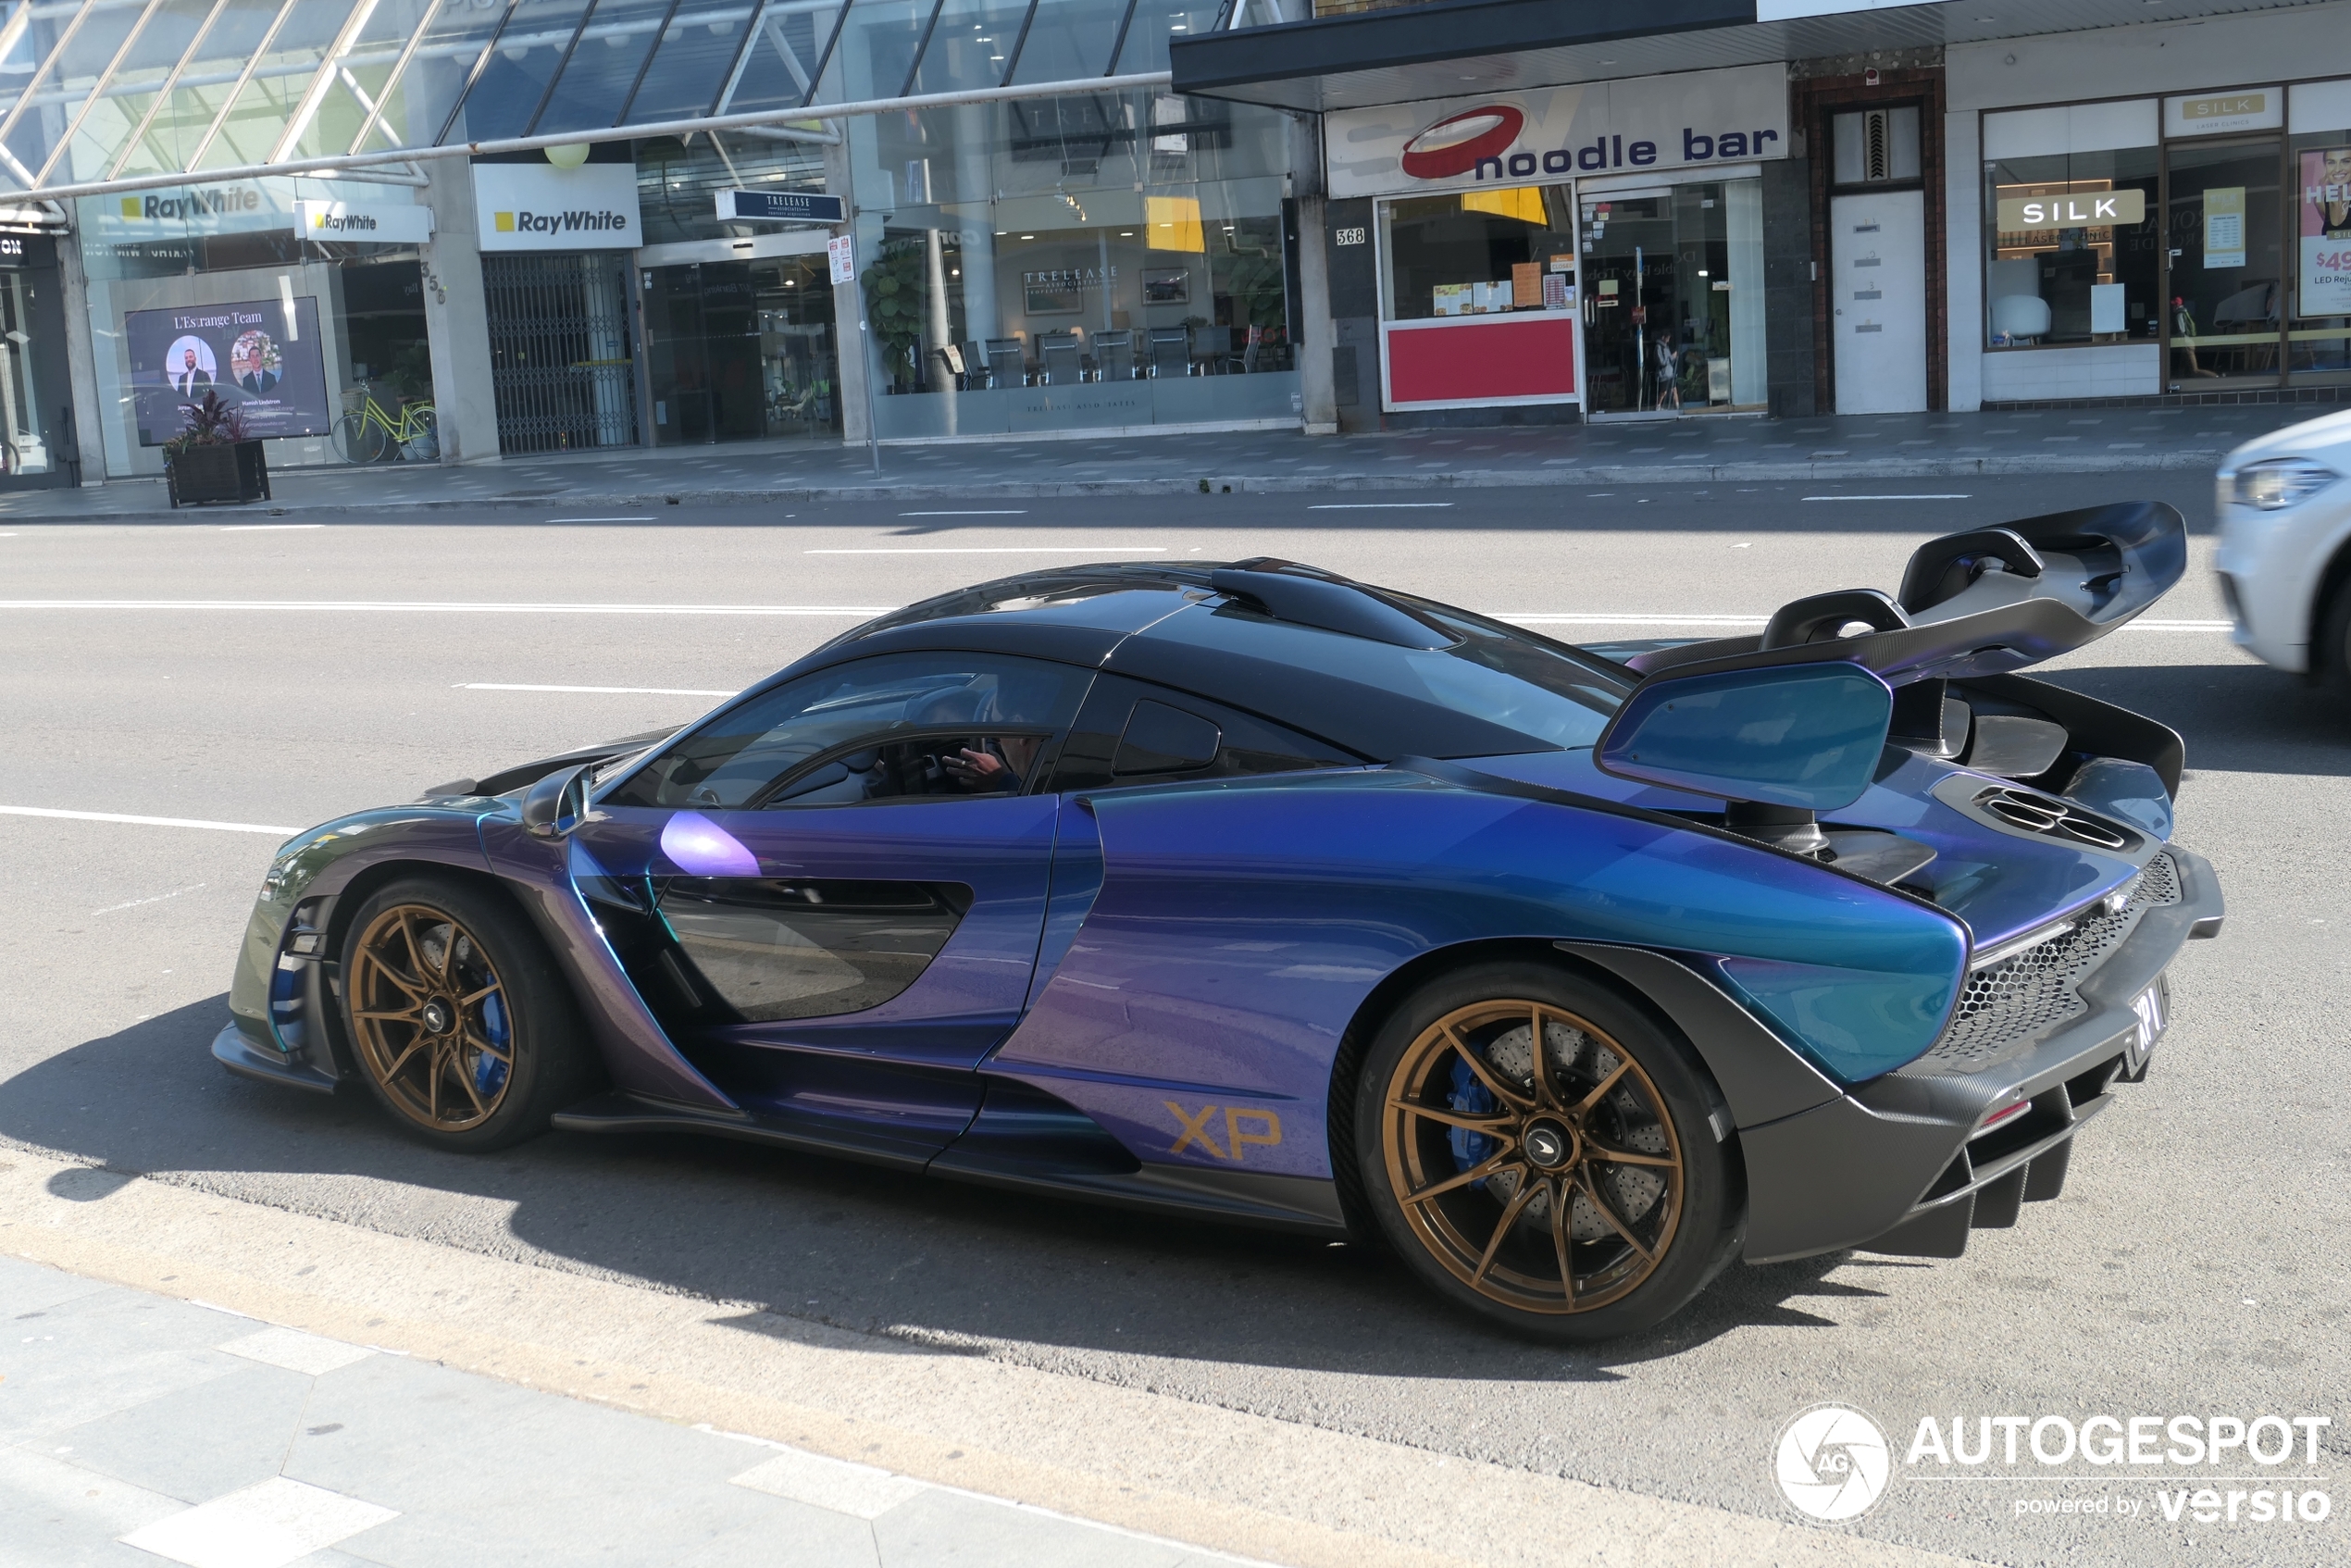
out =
column 238, row 473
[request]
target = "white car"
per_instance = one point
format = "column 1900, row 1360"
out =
column 2284, row 505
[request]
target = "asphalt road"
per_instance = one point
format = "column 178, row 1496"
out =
column 2195, row 1264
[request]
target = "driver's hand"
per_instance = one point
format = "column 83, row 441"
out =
column 977, row 769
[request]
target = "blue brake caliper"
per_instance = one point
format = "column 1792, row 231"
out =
column 1471, row 1098
column 489, row 1074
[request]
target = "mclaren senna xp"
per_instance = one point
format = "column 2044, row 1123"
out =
column 1256, row 893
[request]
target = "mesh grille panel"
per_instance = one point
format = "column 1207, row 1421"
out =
column 2011, row 1002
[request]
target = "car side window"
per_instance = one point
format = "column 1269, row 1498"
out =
column 895, row 727
column 1135, row 733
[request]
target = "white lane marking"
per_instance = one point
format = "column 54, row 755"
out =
column 1380, row 506
column 296, row 1351
column 1014, row 512
column 265, row 527
column 1885, row 498
column 148, row 821
column 608, row 519
column 859, row 1490
column 1002, row 549
column 614, row 690
column 135, row 903
column 449, row 607
column 263, row 1526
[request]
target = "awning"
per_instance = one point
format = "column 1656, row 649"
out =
column 104, row 95
column 1409, row 53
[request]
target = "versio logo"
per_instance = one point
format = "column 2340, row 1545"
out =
column 577, row 221
column 1832, row 1464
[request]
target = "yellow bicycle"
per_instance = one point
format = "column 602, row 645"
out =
column 368, row 434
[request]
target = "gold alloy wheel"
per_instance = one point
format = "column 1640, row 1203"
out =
column 1549, row 1184
column 431, row 1018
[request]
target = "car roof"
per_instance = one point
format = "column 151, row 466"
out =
column 1308, row 649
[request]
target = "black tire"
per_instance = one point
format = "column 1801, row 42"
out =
column 359, row 439
column 438, row 975
column 1616, row 1083
column 2331, row 651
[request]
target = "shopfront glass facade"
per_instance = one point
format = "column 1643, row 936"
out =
column 2219, row 231
column 741, row 351
column 1674, row 298
column 1664, row 280
column 216, row 255
column 1104, row 260
column 36, row 414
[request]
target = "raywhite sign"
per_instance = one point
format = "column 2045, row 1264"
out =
column 249, row 207
column 364, row 224
column 1558, row 133
column 536, row 206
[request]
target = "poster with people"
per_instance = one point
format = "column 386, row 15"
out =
column 263, row 356
column 2326, row 232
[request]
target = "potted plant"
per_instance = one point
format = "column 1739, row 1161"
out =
column 214, row 458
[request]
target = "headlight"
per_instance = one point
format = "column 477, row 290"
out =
column 2281, row 482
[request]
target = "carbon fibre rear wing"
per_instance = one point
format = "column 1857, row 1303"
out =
column 1982, row 603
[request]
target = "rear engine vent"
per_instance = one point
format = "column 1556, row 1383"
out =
column 2053, row 818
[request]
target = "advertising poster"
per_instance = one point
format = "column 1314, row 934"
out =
column 2224, row 227
column 264, row 355
column 2326, row 232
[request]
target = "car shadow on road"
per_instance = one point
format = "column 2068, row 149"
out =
column 929, row 1263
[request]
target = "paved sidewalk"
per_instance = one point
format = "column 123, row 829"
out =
column 1643, row 451
column 138, row 1429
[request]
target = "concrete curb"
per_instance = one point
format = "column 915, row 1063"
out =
column 1561, row 476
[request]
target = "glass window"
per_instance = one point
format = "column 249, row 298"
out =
column 970, row 45
column 2076, row 250
column 742, row 350
column 1106, row 259
column 615, row 46
column 2228, row 274
column 165, row 251
column 507, row 92
column 1476, row 253
column 899, row 725
column 2318, row 341
column 1672, row 297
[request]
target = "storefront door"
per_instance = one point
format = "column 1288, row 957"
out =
column 1665, row 322
column 34, row 408
column 1877, row 257
column 740, row 349
column 2225, row 223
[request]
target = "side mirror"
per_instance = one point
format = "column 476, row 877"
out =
column 554, row 806
column 1806, row 736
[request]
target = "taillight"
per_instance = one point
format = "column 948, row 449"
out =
column 2004, row 1114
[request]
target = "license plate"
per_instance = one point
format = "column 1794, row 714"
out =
column 2149, row 1008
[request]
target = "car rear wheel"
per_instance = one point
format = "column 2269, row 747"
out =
column 2330, row 654
column 1574, row 1192
column 462, row 1026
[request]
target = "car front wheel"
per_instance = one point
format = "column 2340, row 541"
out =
column 1540, row 1152
column 463, row 1028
